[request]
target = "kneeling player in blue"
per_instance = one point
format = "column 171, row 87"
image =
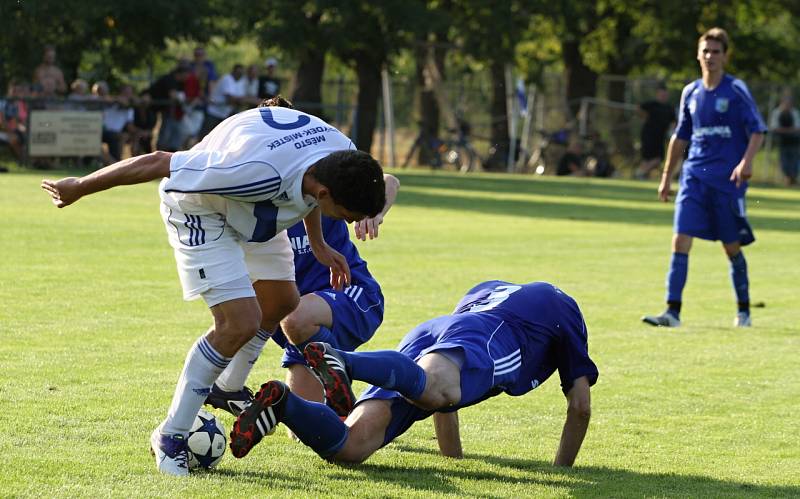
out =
column 345, row 318
column 720, row 121
column 502, row 337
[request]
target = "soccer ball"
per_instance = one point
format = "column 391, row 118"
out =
column 206, row 441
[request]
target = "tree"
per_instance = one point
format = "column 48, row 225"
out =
column 124, row 34
column 490, row 32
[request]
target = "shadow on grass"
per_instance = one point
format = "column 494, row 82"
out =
column 582, row 481
column 559, row 210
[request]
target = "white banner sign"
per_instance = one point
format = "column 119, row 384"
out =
column 65, row 133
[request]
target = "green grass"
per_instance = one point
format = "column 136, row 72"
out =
column 93, row 334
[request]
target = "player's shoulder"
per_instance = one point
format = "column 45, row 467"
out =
column 691, row 88
column 738, row 87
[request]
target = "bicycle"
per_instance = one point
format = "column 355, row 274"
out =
column 452, row 153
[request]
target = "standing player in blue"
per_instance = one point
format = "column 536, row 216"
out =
column 719, row 120
column 226, row 205
column 502, row 337
column 345, row 318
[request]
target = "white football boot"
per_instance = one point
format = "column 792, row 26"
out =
column 742, row 319
column 171, row 453
column 664, row 320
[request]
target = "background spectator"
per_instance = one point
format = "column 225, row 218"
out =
column 204, row 70
column 168, row 95
column 193, row 108
column 225, row 95
column 268, row 84
column 144, row 121
column 784, row 122
column 571, row 163
column 658, row 117
column 250, row 84
column 13, row 118
column 49, row 76
column 117, row 118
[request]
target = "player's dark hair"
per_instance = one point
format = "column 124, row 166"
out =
column 717, row 35
column 277, row 101
column 354, row 179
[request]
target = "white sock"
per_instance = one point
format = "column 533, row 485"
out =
column 203, row 365
column 234, row 376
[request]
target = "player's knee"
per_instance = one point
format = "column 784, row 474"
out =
column 240, row 326
column 440, row 397
column 277, row 310
column 295, row 328
column 356, row 450
column 582, row 410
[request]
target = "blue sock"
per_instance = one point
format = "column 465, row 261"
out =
column 315, row 424
column 324, row 335
column 741, row 285
column 676, row 276
column 387, row 369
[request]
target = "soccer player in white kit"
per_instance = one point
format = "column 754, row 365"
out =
column 226, row 204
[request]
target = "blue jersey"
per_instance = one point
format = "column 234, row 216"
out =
column 507, row 338
column 313, row 276
column 718, row 124
column 547, row 327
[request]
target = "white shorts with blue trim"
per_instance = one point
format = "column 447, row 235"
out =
column 210, row 253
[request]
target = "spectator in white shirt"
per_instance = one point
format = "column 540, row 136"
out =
column 227, row 93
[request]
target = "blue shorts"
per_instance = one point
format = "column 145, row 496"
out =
column 708, row 213
column 481, row 372
column 357, row 313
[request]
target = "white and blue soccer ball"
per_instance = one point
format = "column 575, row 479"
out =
column 207, row 441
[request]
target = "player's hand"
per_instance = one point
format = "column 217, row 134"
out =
column 340, row 270
column 742, row 173
column 368, row 227
column 63, row 192
column 664, row 188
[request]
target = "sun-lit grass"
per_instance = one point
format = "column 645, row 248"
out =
column 93, row 334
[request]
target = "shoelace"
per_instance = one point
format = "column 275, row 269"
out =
column 182, row 459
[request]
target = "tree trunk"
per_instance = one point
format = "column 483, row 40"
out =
column 429, row 111
column 581, row 81
column 628, row 49
column 499, row 116
column 369, row 88
column 307, row 92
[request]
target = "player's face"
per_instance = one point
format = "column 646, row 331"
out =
column 337, row 211
column 711, row 57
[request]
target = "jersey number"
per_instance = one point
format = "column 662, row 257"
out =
column 301, row 121
column 497, row 296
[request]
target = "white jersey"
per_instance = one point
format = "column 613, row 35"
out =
column 250, row 169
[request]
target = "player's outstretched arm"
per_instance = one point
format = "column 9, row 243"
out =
column 136, row 170
column 447, row 434
column 340, row 270
column 369, row 226
column 576, row 424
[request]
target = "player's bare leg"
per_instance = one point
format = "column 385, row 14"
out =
column 368, row 423
column 442, row 382
column 275, row 300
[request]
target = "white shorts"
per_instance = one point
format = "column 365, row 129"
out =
column 210, row 253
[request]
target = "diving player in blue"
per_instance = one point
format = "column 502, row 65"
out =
column 720, row 122
column 502, row 337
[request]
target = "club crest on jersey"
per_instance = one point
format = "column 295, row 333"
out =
column 721, row 104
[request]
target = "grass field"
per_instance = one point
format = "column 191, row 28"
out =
column 93, row 334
